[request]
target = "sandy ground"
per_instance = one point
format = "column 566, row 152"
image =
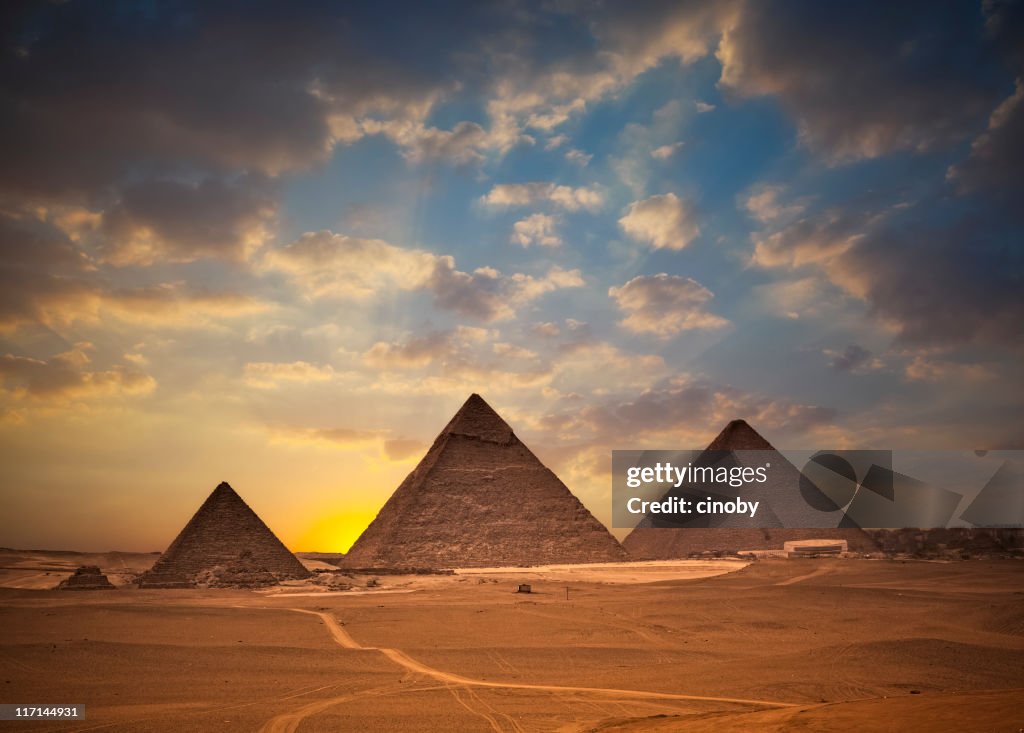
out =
column 798, row 645
column 44, row 569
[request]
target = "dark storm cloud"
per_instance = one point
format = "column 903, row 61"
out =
column 37, row 263
column 996, row 161
column 47, row 278
column 864, row 79
column 175, row 221
column 1004, row 21
column 29, row 243
column 951, row 284
column 92, row 93
column 945, row 283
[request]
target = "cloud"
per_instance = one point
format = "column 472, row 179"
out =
column 465, row 143
column 578, row 157
column 587, row 365
column 924, row 369
column 490, row 296
column 605, row 49
column 149, row 86
column 507, row 195
column 328, row 265
column 997, row 155
column 461, row 359
column 639, row 144
column 338, row 437
column 421, row 351
column 555, row 141
column 854, row 358
column 814, row 239
column 47, row 278
column 664, row 222
column 401, row 449
column 171, row 221
column 66, row 376
column 664, row 152
column 29, row 241
column 860, row 84
column 454, row 361
column 953, row 283
column 763, row 203
column 546, row 329
column 703, row 107
column 665, row 305
column 687, row 411
column 794, row 298
column 325, row 264
column 60, row 303
column 270, row 375
column 536, row 229
column 957, row 283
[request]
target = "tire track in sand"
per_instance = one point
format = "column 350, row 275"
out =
column 290, row 721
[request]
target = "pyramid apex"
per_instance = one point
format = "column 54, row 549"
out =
column 477, row 419
column 739, row 435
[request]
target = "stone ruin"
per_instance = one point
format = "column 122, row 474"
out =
column 87, row 577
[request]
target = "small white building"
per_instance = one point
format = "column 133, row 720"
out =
column 815, row 548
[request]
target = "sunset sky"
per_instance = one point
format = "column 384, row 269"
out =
column 279, row 245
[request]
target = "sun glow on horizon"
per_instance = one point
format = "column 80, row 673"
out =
column 335, row 532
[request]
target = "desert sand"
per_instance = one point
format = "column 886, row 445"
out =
column 837, row 644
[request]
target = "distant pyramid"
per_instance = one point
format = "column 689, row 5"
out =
column 655, row 539
column 86, row 577
column 225, row 532
column 480, row 498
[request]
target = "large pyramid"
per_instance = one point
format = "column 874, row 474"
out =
column 480, row 498
column 653, row 541
column 224, row 533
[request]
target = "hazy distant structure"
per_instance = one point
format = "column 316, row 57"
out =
column 224, row 533
column 651, row 540
column 480, row 498
column 815, row 548
column 87, row 577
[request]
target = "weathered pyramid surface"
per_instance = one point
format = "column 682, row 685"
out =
column 222, row 534
column 87, row 577
column 480, row 498
column 649, row 541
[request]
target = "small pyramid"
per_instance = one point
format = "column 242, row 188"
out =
column 654, row 539
column 86, row 577
column 480, row 498
column 223, row 533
